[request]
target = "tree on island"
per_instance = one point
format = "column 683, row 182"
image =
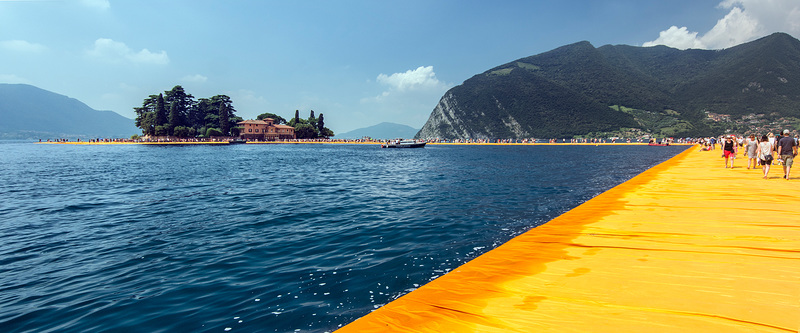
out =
column 312, row 121
column 161, row 111
column 305, row 131
column 224, row 120
column 320, row 124
column 145, row 115
column 323, row 131
column 174, row 118
column 277, row 119
column 180, row 103
column 187, row 117
column 309, row 128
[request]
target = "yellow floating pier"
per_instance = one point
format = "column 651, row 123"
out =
column 687, row 246
column 175, row 143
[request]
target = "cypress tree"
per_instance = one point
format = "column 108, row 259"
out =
column 161, row 111
column 321, row 125
column 224, row 119
column 296, row 116
column 174, row 117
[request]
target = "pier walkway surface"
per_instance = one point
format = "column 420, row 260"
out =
column 687, row 246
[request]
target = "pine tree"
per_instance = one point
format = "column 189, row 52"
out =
column 145, row 115
column 180, row 105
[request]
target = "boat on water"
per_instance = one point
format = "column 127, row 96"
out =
column 404, row 144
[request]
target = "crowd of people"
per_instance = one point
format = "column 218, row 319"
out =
column 761, row 152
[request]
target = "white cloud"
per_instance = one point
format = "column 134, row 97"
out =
column 11, row 78
column 679, row 38
column 408, row 99
column 97, row 4
column 110, row 50
column 420, row 78
column 22, row 46
column 735, row 28
column 747, row 20
column 197, row 78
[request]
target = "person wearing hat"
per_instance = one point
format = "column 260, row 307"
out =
column 787, row 150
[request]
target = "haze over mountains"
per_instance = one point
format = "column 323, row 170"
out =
column 579, row 90
column 28, row 112
column 381, row 131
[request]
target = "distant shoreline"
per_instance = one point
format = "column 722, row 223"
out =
column 100, row 143
column 363, row 143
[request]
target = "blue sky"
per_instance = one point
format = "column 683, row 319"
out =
column 357, row 62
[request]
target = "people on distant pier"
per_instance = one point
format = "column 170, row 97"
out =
column 787, row 150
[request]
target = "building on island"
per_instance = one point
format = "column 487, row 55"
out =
column 264, row 130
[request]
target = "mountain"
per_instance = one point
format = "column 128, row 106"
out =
column 380, row 131
column 28, row 112
column 579, row 90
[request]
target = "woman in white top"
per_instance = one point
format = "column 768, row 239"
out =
column 765, row 154
column 751, row 150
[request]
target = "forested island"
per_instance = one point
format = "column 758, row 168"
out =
column 175, row 113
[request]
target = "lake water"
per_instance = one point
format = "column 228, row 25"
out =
column 265, row 238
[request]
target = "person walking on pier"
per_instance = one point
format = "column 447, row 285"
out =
column 787, row 150
column 751, row 149
column 765, row 154
column 729, row 150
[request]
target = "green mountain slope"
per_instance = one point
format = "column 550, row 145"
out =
column 28, row 112
column 579, row 90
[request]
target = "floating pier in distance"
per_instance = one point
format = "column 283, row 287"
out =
column 687, row 246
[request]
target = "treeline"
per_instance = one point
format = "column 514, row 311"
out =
column 310, row 128
column 176, row 113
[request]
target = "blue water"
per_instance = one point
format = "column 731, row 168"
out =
column 263, row 238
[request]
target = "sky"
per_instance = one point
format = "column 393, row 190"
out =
column 359, row 63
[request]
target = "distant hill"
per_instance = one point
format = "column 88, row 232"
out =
column 28, row 112
column 580, row 90
column 380, row 131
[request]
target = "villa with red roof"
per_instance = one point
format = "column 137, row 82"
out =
column 264, row 130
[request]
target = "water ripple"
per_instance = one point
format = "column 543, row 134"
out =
column 264, row 238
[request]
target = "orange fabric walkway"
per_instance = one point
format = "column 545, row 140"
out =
column 687, row 246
